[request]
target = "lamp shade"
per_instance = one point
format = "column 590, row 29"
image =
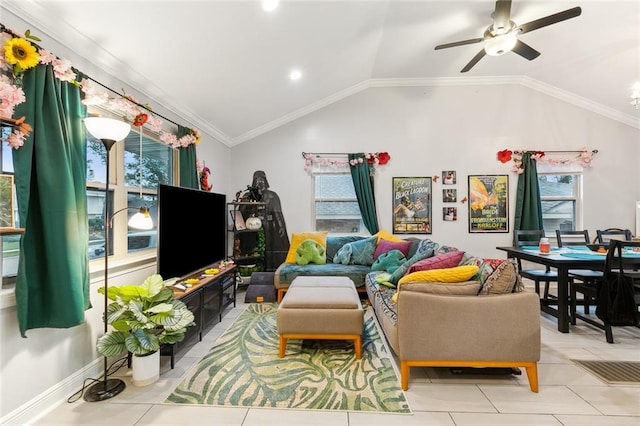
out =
column 500, row 44
column 141, row 220
column 107, row 128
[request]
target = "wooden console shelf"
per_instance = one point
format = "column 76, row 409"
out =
column 208, row 299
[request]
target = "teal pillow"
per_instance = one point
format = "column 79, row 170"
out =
column 335, row 242
column 357, row 253
column 421, row 253
column 389, row 261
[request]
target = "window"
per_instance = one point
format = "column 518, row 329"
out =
column 10, row 243
column 335, row 205
column 137, row 167
column 561, row 199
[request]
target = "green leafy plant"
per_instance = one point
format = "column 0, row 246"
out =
column 143, row 317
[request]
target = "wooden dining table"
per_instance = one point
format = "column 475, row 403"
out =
column 562, row 260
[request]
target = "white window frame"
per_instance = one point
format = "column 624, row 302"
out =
column 330, row 170
column 566, row 169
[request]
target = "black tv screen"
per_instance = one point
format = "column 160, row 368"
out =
column 192, row 230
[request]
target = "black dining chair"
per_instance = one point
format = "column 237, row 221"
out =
column 615, row 264
column 605, row 235
column 586, row 276
column 532, row 237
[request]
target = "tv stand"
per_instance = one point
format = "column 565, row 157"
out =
column 207, row 300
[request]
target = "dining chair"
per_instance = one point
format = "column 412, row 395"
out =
column 586, row 276
column 603, row 236
column 532, row 237
column 615, row 264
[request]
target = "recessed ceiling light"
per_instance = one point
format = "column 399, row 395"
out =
column 295, row 75
column 270, row 5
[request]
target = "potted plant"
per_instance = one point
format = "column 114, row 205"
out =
column 143, row 318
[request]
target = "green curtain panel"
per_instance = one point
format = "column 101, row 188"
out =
column 528, row 206
column 188, row 172
column 52, row 288
column 363, row 183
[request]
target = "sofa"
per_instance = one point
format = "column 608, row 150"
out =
column 436, row 305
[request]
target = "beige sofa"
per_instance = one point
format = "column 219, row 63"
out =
column 438, row 330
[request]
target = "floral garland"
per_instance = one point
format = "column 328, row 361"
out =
column 584, row 158
column 18, row 54
column 372, row 158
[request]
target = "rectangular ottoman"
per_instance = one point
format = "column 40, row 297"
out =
column 321, row 308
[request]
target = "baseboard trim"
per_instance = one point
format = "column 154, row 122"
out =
column 41, row 405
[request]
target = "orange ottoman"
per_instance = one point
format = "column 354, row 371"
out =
column 321, row 308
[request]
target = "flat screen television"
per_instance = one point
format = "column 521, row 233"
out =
column 192, row 231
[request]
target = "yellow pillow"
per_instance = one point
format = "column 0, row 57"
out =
column 385, row 235
column 457, row 274
column 297, row 239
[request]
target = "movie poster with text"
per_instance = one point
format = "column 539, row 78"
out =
column 488, row 203
column 411, row 205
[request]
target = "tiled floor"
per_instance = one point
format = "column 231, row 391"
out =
column 568, row 394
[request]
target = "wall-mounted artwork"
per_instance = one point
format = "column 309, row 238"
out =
column 449, row 214
column 449, row 195
column 7, row 219
column 411, row 205
column 448, row 177
column 488, row 203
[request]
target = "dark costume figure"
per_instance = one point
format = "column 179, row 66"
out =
column 275, row 229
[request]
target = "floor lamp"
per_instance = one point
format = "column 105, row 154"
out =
column 109, row 131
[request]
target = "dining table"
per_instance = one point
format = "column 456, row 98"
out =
column 562, row 259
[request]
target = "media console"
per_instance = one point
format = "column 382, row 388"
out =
column 207, row 300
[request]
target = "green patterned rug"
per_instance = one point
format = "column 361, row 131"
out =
column 243, row 370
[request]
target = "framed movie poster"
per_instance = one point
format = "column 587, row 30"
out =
column 411, row 205
column 488, row 203
column 7, row 219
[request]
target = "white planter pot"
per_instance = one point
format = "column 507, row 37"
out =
column 146, row 369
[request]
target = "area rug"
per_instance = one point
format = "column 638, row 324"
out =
column 614, row 372
column 243, row 370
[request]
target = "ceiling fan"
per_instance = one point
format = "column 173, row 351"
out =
column 502, row 36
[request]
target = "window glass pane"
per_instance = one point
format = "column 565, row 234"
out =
column 95, row 213
column 558, row 215
column 156, row 166
column 556, row 185
column 142, row 240
column 10, row 243
column 96, row 161
column 336, row 207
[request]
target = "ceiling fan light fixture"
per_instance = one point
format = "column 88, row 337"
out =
column 500, row 44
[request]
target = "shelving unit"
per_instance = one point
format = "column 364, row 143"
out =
column 249, row 244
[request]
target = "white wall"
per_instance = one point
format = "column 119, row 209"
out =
column 428, row 130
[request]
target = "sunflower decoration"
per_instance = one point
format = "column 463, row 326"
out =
column 21, row 54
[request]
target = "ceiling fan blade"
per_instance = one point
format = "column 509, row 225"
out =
column 549, row 20
column 502, row 16
column 459, row 43
column 474, row 61
column 525, row 51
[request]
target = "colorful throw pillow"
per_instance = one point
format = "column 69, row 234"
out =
column 504, row 279
column 357, row 253
column 424, row 251
column 448, row 275
column 441, row 261
column 466, row 288
column 310, row 251
column 386, row 235
column 334, row 242
column 297, row 239
column 386, row 245
column 389, row 261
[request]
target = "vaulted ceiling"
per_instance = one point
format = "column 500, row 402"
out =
column 224, row 66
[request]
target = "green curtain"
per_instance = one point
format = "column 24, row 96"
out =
column 52, row 288
column 363, row 184
column 528, row 206
column 188, row 172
